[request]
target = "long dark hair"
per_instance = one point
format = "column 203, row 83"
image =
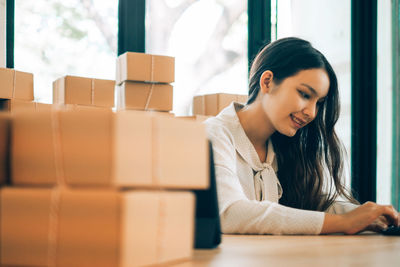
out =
column 310, row 164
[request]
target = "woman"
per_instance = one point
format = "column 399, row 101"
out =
column 278, row 160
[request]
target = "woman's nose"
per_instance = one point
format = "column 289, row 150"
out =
column 310, row 111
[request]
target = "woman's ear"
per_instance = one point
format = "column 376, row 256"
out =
column 266, row 81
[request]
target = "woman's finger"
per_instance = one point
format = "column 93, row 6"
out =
column 390, row 214
column 383, row 219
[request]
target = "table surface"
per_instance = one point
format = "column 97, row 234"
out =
column 329, row 250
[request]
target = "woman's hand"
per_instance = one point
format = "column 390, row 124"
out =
column 369, row 216
column 381, row 223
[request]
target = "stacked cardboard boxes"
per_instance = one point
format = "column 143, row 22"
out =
column 144, row 82
column 94, row 187
column 16, row 92
column 16, row 89
column 211, row 105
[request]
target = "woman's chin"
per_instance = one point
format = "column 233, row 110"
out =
column 288, row 132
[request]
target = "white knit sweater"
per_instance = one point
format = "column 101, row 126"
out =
column 248, row 190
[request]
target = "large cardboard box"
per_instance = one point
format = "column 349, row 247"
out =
column 145, row 96
column 83, row 91
column 100, row 148
column 5, row 121
column 211, row 105
column 61, row 227
column 16, row 84
column 145, row 68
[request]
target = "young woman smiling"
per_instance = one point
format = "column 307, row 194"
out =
column 278, row 160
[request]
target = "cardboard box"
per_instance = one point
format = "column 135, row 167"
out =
column 5, row 121
column 83, row 91
column 145, row 68
column 99, row 148
column 95, row 227
column 211, row 105
column 13, row 105
column 16, row 84
column 145, row 96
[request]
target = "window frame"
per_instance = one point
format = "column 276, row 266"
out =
column 364, row 99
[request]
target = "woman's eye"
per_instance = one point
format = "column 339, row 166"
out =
column 304, row 95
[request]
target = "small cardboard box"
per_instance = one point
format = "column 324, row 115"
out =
column 97, row 148
column 5, row 121
column 16, row 84
column 211, row 105
column 95, row 227
column 145, row 96
column 13, row 105
column 145, row 68
column 83, row 91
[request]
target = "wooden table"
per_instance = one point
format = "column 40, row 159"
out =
column 331, row 250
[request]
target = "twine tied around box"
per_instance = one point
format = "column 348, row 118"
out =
column 56, row 192
column 152, row 83
column 92, row 93
column 14, row 82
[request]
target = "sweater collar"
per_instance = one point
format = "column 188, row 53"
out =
column 242, row 143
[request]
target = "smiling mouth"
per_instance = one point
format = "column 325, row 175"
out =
column 298, row 122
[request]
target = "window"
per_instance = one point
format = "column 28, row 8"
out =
column 208, row 39
column 56, row 38
column 326, row 24
column 384, row 126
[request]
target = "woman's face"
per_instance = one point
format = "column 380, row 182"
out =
column 294, row 103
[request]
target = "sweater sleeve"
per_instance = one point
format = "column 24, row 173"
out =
column 242, row 215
